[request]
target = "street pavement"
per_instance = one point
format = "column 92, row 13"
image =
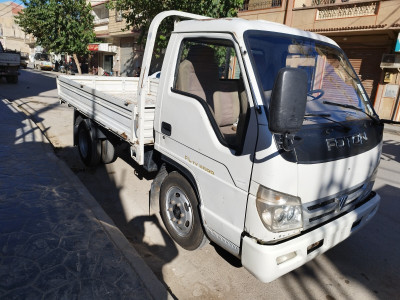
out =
column 341, row 273
column 392, row 128
column 55, row 240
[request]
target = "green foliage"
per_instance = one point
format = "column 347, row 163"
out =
column 59, row 26
column 139, row 13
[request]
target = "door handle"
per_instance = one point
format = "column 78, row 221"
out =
column 166, row 128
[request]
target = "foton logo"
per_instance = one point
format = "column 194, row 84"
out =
column 346, row 141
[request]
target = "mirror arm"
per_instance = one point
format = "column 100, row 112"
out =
column 290, row 141
column 385, row 121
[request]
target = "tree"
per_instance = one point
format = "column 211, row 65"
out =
column 59, row 26
column 139, row 13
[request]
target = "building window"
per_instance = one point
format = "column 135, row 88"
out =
column 260, row 4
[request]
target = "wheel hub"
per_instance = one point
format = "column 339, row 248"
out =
column 179, row 211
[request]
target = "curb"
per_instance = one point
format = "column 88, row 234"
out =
column 153, row 285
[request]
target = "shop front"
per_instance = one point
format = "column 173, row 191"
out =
column 103, row 59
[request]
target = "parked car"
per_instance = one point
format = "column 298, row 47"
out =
column 42, row 62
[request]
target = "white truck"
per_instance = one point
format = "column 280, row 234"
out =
column 264, row 139
column 9, row 65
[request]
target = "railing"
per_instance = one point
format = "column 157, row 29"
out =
column 328, row 2
column 347, row 11
column 261, row 5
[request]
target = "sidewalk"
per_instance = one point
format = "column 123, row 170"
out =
column 391, row 128
column 55, row 240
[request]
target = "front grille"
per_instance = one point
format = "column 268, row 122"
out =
column 324, row 209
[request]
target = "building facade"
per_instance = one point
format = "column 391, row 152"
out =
column 118, row 53
column 11, row 35
column 367, row 31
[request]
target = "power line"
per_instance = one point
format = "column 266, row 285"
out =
column 9, row 6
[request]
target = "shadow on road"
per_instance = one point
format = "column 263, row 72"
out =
column 103, row 186
column 390, row 150
column 30, row 83
column 34, row 87
column 369, row 258
column 160, row 254
column 51, row 245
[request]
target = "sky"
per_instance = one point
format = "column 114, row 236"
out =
column 15, row 1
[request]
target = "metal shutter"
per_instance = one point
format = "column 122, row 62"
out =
column 366, row 63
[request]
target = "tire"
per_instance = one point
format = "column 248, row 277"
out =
column 108, row 152
column 12, row 79
column 88, row 144
column 180, row 212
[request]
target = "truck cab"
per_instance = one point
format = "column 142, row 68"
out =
column 273, row 132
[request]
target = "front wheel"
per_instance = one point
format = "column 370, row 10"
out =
column 180, row 213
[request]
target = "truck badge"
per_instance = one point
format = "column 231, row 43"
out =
column 346, row 141
column 341, row 201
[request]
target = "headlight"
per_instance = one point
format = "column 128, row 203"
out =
column 278, row 211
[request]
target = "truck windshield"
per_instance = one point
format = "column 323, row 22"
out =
column 335, row 92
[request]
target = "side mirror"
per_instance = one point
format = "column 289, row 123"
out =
column 288, row 101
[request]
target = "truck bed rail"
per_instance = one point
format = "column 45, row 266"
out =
column 110, row 102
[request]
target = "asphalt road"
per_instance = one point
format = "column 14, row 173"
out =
column 365, row 266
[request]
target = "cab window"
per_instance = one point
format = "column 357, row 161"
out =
column 208, row 71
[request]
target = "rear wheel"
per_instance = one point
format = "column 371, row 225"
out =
column 179, row 212
column 108, row 152
column 88, row 144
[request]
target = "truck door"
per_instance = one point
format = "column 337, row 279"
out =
column 208, row 125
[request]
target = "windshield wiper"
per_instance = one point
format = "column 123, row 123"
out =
column 351, row 107
column 318, row 115
column 327, row 117
column 344, row 68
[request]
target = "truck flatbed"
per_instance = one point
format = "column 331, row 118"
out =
column 111, row 102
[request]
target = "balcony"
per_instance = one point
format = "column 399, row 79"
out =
column 101, row 16
column 325, row 3
column 338, row 9
column 103, row 21
column 255, row 5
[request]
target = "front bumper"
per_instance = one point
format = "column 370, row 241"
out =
column 48, row 68
column 261, row 260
